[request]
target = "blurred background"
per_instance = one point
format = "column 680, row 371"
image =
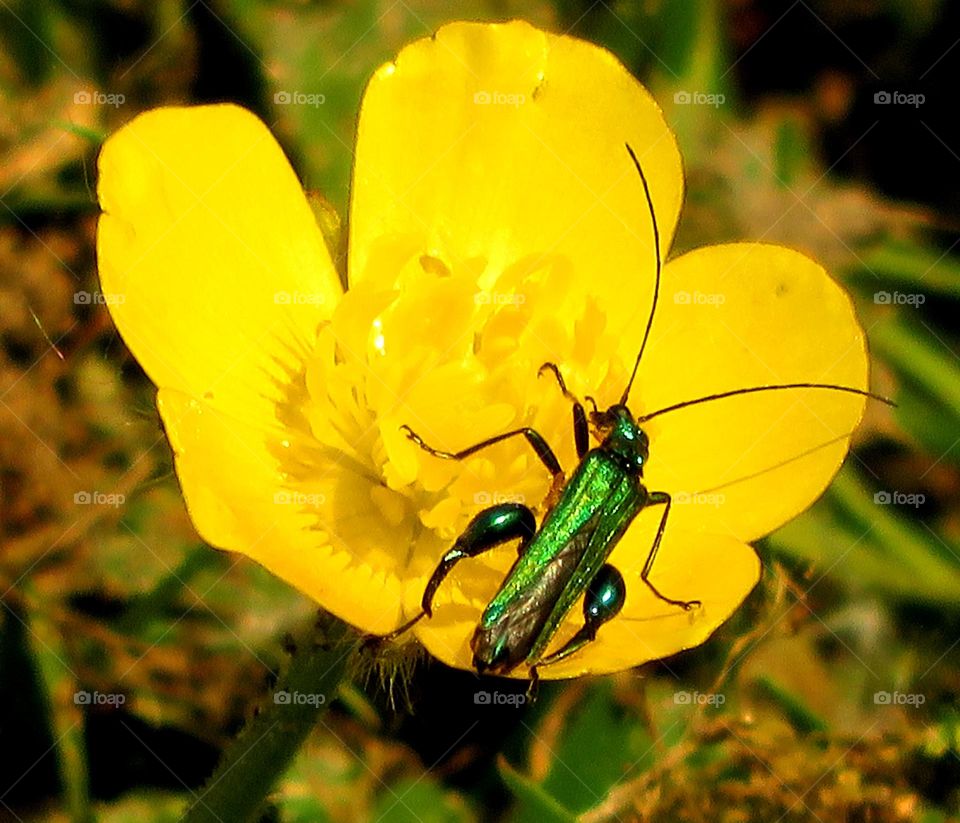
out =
column 131, row 654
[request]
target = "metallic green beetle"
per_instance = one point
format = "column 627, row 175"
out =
column 586, row 517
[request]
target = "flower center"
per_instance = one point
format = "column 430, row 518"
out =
column 454, row 355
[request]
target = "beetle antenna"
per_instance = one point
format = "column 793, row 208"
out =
column 656, row 285
column 754, row 389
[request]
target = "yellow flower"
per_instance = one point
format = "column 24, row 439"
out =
column 496, row 223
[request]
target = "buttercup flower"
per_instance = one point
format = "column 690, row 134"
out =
column 496, row 223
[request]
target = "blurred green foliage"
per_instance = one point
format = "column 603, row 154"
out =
column 830, row 696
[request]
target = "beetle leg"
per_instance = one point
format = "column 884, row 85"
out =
column 492, row 527
column 581, row 431
column 534, row 438
column 658, row 498
column 602, row 602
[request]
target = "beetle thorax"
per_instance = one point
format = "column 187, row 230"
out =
column 623, row 438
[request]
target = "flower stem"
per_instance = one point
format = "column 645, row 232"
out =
column 261, row 754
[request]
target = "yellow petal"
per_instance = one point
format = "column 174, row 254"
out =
column 491, row 146
column 210, row 259
column 739, row 316
column 718, row 570
column 323, row 527
column 220, row 279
